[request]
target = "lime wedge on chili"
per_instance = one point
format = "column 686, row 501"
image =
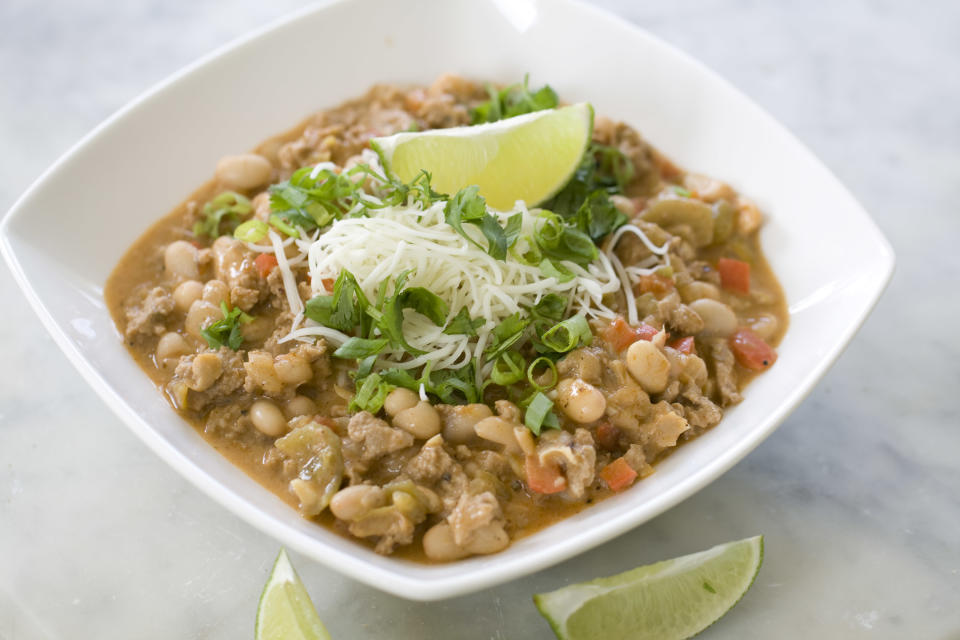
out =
column 528, row 157
column 675, row 598
column 285, row 611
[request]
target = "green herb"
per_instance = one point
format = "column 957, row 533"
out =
column 567, row 335
column 508, row 368
column 226, row 331
column 680, row 191
column 463, row 324
column 585, row 201
column 251, row 231
column 285, row 224
column 314, row 200
column 548, row 311
column 451, row 386
column 225, row 208
column 613, row 167
column 512, row 101
column 418, row 299
column 563, row 242
column 343, row 310
column 506, row 334
column 469, row 207
column 540, row 414
column 558, row 271
column 360, row 348
column 371, row 394
column 532, row 373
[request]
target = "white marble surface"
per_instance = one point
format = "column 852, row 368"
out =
column 858, row 493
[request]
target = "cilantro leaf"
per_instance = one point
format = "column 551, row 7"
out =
column 360, row 348
column 343, row 310
column 226, row 331
column 225, row 208
column 506, row 334
column 418, row 299
column 469, row 207
column 463, row 324
column 512, row 101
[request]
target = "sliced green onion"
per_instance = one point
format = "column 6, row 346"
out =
column 251, row 231
column 371, row 394
column 508, row 368
column 280, row 224
column 360, row 348
column 565, row 336
column 531, row 373
column 539, row 413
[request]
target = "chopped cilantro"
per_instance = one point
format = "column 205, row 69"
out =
column 226, row 331
column 512, row 101
column 226, row 208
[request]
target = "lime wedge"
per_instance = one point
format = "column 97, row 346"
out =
column 528, row 157
column 285, row 611
column 675, row 598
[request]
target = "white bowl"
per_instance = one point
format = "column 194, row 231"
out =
column 67, row 232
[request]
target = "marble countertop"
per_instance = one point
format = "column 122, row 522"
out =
column 858, row 493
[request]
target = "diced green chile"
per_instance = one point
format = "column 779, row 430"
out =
column 691, row 219
column 316, row 450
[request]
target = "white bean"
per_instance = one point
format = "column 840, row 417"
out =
column 648, row 366
column 352, row 503
column 420, row 420
column 186, row 294
column 398, row 400
column 488, row 539
column 719, row 320
column 292, row 369
column 438, row 544
column 459, row 422
column 497, row 430
column 180, row 260
column 244, row 171
column 581, row 401
column 764, row 325
column 205, row 370
column 172, row 345
column 267, row 418
column 299, row 406
column 215, row 292
column 699, row 289
column 200, row 316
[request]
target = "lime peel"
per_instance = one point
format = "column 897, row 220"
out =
column 528, row 157
column 675, row 598
column 285, row 611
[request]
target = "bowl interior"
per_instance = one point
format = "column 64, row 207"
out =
column 65, row 235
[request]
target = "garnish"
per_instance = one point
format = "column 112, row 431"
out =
column 514, row 100
column 226, row 331
column 539, row 414
column 469, row 207
column 226, row 208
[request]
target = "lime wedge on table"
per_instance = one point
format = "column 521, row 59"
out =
column 285, row 611
column 675, row 598
column 528, row 157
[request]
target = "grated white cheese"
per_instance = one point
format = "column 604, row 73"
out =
column 406, row 238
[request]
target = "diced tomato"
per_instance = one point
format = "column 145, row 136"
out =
column 734, row 275
column 751, row 351
column 196, row 244
column 621, row 335
column 608, row 436
column 618, row 474
column 654, row 283
column 327, row 284
column 265, row 263
column 542, row 478
column 684, row 345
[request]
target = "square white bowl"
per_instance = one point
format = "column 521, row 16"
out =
column 62, row 238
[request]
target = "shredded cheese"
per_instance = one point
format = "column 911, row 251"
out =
column 438, row 258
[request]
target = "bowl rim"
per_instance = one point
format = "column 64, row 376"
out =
column 355, row 565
